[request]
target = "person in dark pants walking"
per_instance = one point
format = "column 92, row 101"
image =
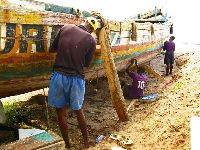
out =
column 169, row 47
column 75, row 47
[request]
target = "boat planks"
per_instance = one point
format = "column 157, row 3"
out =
column 25, row 38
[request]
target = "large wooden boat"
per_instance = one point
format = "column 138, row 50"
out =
column 26, row 35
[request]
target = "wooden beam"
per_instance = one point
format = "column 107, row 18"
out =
column 152, row 72
column 111, row 72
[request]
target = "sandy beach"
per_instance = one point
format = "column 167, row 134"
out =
column 163, row 124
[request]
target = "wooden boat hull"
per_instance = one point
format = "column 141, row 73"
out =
column 24, row 77
column 25, row 37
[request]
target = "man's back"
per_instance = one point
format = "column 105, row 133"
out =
column 75, row 48
column 169, row 46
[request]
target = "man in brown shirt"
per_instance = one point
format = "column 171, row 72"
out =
column 75, row 48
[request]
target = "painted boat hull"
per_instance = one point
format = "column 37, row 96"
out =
column 25, row 37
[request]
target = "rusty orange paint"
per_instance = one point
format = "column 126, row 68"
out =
column 20, row 17
column 6, row 15
column 17, row 40
column 32, row 18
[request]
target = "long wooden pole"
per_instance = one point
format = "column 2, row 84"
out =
column 111, row 72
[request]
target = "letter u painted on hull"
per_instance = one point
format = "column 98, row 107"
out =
column 8, row 39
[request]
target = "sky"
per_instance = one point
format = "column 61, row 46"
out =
column 183, row 12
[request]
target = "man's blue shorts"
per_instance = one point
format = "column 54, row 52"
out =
column 65, row 90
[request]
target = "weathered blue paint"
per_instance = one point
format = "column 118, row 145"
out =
column 67, row 10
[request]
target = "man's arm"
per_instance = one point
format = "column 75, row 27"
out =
column 54, row 45
column 129, row 66
column 90, row 53
column 174, row 46
column 164, row 46
column 52, row 49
